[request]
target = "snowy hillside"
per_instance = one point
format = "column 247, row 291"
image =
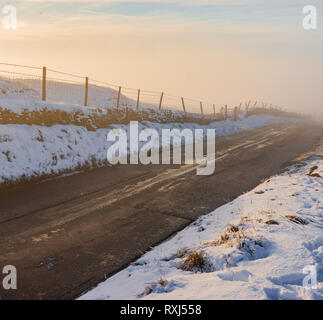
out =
column 59, row 94
column 17, row 94
column 255, row 247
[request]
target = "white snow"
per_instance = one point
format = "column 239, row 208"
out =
column 30, row 151
column 257, row 261
column 17, row 95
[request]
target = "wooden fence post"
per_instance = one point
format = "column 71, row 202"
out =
column 44, row 85
column 201, row 107
column 183, row 104
column 138, row 97
column 161, row 100
column 118, row 98
column 86, row 91
column 235, row 114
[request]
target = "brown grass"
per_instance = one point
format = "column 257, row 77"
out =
column 314, row 174
column 182, row 252
column 195, row 262
column 148, row 290
column 296, row 219
column 230, row 237
column 161, row 281
column 98, row 118
column 271, row 222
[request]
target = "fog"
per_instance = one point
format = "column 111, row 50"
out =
column 225, row 61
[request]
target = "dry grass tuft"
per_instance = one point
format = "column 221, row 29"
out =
column 231, row 237
column 313, row 169
column 161, row 281
column 195, row 262
column 182, row 252
column 232, row 229
column 297, row 220
column 148, row 290
column 314, row 174
column 272, row 222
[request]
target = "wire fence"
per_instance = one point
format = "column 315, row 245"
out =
column 44, row 84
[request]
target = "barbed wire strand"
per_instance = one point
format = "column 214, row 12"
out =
column 19, row 65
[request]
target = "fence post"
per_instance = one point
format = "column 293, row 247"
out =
column 44, row 85
column 161, row 100
column 235, row 113
column 183, row 104
column 138, row 96
column 201, row 107
column 118, row 98
column 214, row 109
column 86, row 91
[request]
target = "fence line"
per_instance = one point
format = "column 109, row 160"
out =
column 87, row 92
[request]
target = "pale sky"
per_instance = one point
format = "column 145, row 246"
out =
column 212, row 50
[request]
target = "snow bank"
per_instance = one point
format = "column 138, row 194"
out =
column 20, row 103
column 32, row 151
column 255, row 247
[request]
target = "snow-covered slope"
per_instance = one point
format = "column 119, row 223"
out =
column 63, row 141
column 32, row 151
column 255, row 247
column 24, row 95
column 17, row 94
column 58, row 94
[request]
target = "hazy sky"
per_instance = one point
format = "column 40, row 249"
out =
column 223, row 51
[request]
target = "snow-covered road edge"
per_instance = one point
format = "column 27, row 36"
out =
column 255, row 247
column 33, row 151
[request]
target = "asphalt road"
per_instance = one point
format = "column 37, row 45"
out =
column 67, row 234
